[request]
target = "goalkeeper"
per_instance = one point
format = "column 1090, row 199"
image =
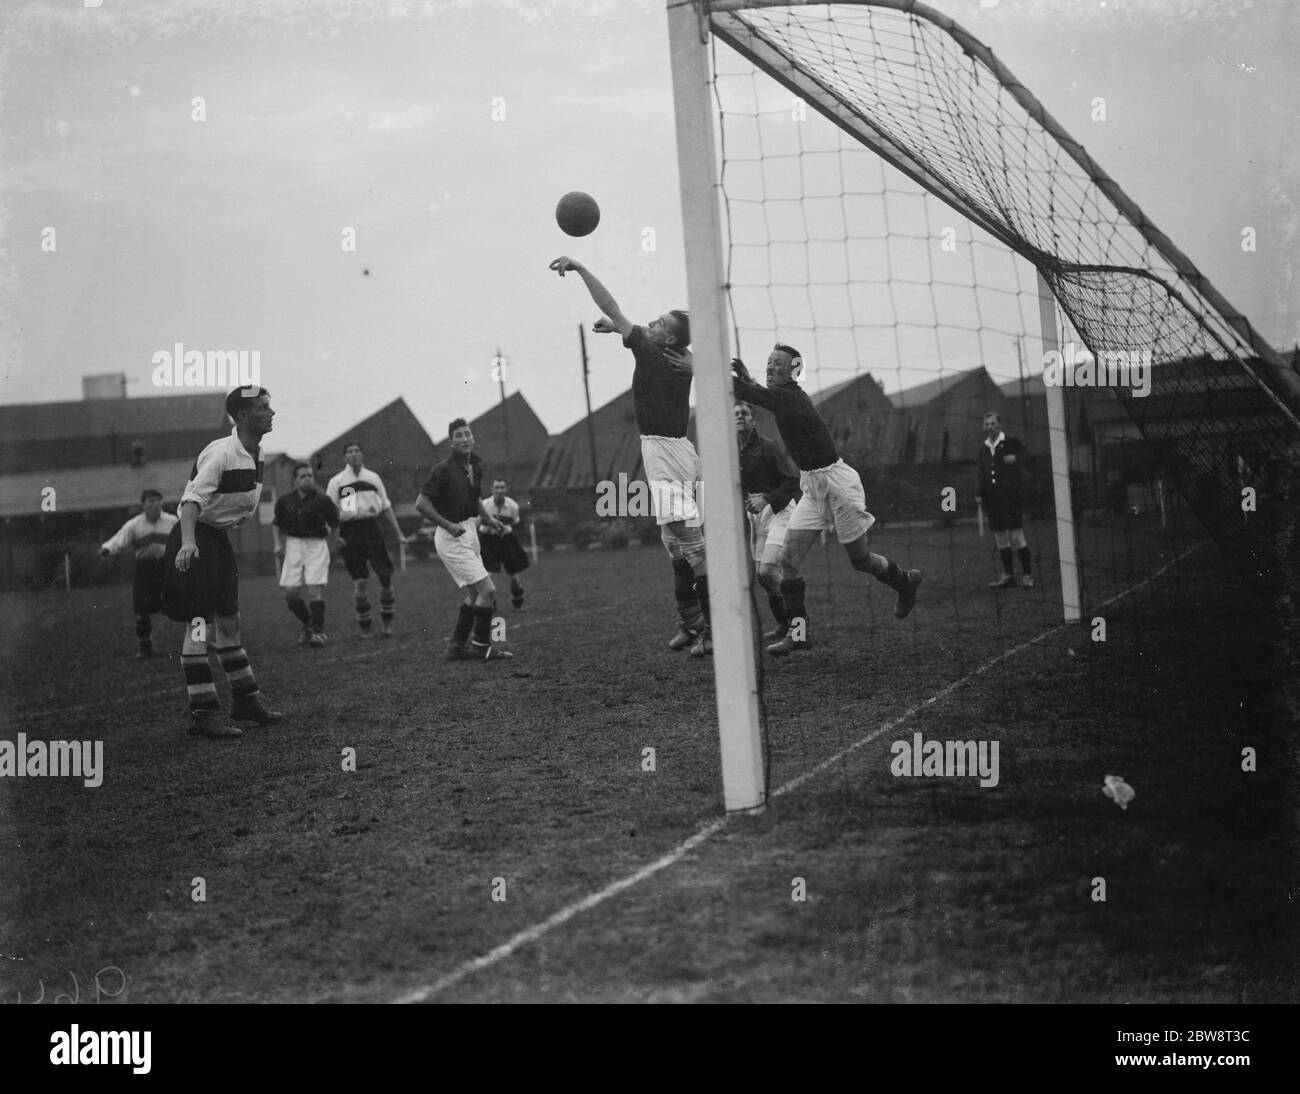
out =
column 832, row 490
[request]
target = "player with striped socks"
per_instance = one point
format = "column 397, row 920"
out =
column 201, row 583
column 451, row 497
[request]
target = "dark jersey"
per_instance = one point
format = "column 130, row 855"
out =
column 660, row 397
column 454, row 488
column 997, row 479
column 308, row 518
column 765, row 469
column 802, row 429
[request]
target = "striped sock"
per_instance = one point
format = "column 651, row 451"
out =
column 386, row 600
column 238, row 671
column 198, row 682
column 363, row 612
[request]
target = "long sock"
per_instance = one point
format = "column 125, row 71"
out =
column 238, row 671
column 688, row 608
column 464, row 622
column 1024, row 560
column 198, row 681
column 516, row 590
column 386, row 600
column 482, row 625
column 792, row 593
column 299, row 609
column 776, row 602
column 363, row 611
column 1005, row 553
column 144, row 628
column 702, row 596
column 894, row 576
column 316, row 612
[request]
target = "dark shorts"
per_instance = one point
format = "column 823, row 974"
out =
column 210, row 587
column 1005, row 514
column 501, row 551
column 363, row 543
column 147, row 587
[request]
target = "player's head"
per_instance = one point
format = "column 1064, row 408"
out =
column 250, row 408
column 353, row 456
column 991, row 425
column 784, row 363
column 462, row 437
column 304, row 479
column 499, row 487
column 672, row 330
column 744, row 420
column 151, row 500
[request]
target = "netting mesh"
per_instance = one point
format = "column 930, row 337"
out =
column 876, row 272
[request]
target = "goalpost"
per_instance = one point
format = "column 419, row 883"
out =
column 926, row 102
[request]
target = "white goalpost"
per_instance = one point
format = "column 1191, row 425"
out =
column 858, row 272
column 725, row 538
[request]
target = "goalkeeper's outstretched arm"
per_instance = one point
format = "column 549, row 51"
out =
column 602, row 297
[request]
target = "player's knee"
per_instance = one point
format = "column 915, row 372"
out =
column 693, row 550
column 769, row 576
column 682, row 568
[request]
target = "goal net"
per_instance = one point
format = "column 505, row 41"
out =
column 905, row 213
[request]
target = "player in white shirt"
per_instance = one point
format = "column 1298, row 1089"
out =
column 361, row 499
column 145, row 533
column 201, row 585
column 503, row 548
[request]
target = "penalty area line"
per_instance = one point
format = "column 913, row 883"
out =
column 535, row 932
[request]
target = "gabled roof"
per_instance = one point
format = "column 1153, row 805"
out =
column 922, row 395
column 567, row 459
column 527, row 434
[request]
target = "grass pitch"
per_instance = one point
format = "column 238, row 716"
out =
column 525, row 779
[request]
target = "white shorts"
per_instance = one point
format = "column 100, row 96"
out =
column 306, row 562
column 672, row 469
column 832, row 498
column 460, row 554
column 767, row 534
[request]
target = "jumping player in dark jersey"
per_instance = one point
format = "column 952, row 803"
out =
column 660, row 397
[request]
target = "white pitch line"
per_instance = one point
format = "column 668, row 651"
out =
column 533, row 933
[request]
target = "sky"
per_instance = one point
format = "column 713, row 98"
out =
column 442, row 133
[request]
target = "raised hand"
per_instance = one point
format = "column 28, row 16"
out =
column 604, row 325
column 563, row 265
column 738, row 367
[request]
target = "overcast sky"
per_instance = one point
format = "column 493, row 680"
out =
column 324, row 115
